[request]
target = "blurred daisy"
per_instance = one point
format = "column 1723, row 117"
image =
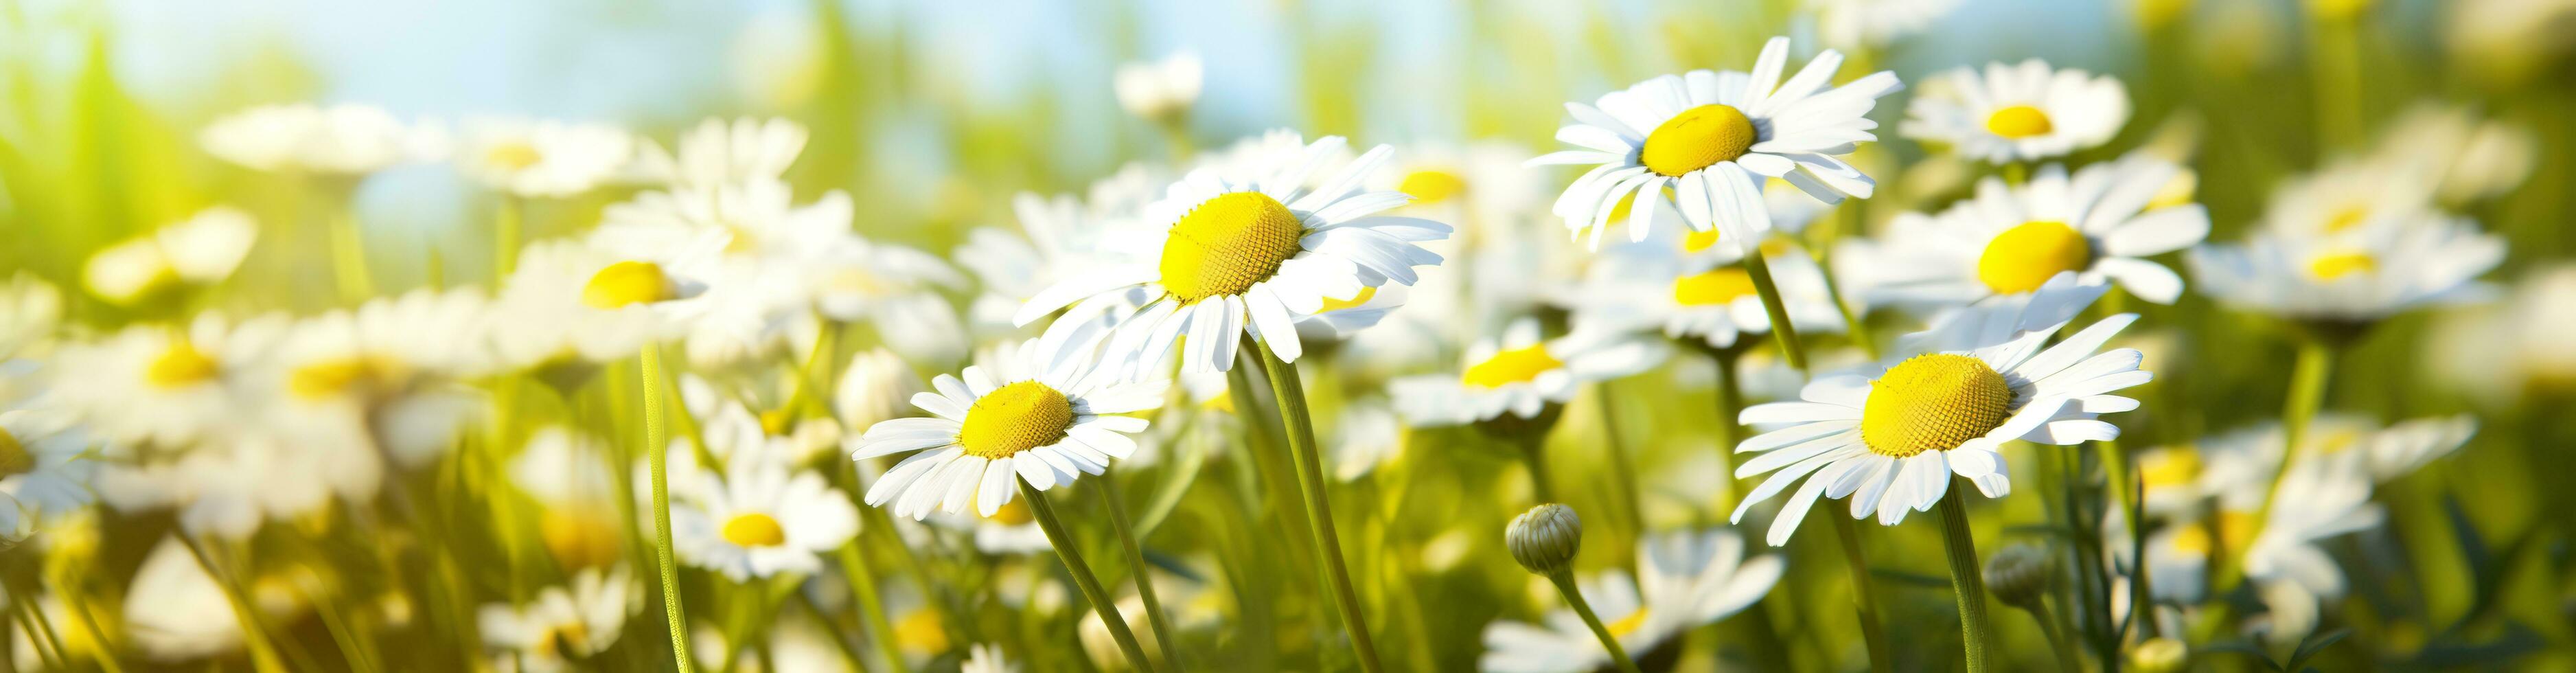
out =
column 2466, row 158
column 169, row 385
column 2010, row 240
column 765, row 519
column 387, row 374
column 2353, row 279
column 875, row 386
column 337, row 140
column 718, row 152
column 1520, row 374
column 563, row 624
column 986, row 658
column 2521, row 343
column 1047, row 417
column 1874, row 24
column 547, row 158
column 1059, row 236
column 30, row 308
column 1708, row 139
column 1687, row 579
column 1010, row 529
column 1481, row 187
column 2351, row 198
column 44, row 468
column 575, row 302
column 2016, row 113
column 1367, row 435
column 561, row 465
column 175, row 612
column 1704, row 298
column 1889, row 436
column 199, row 251
column 1245, row 258
column 1159, row 91
column 229, row 488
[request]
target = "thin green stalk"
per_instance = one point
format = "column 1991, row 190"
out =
column 2016, row 173
column 1069, row 550
column 2057, row 644
column 106, row 658
column 1574, row 597
column 505, row 237
column 2123, row 476
column 1967, row 580
column 1290, row 395
column 49, row 649
column 1137, row 570
column 263, row 652
column 1856, row 561
column 1849, row 221
column 2307, row 391
column 1534, row 451
column 863, row 583
column 657, row 449
column 349, row 255
column 1730, row 404
column 1781, row 329
column 1622, row 467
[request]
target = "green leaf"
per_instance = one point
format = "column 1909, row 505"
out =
column 2314, row 644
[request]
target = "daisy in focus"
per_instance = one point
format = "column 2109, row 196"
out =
column 1889, row 436
column 563, row 625
column 2101, row 223
column 2017, row 113
column 1686, row 579
column 1520, row 374
column 544, row 159
column 1046, row 416
column 1705, row 141
column 2353, row 279
column 1245, row 259
column 764, row 519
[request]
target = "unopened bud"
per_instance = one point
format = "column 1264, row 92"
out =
column 2018, row 575
column 1545, row 538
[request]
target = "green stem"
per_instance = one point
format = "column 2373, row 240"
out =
column 505, row 237
column 1856, row 561
column 263, row 652
column 1290, row 395
column 1069, row 551
column 2057, row 644
column 2307, row 391
column 2133, row 508
column 1137, row 570
column 657, row 447
column 1850, row 222
column 349, row 255
column 2016, row 173
column 1781, row 329
column 1622, row 467
column 1730, row 403
column 49, row 650
column 1976, row 633
column 1534, row 451
column 863, row 583
column 1574, row 597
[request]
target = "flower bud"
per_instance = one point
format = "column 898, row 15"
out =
column 2159, row 655
column 1545, row 538
column 2018, row 575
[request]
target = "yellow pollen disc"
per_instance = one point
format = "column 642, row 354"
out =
column 1699, row 241
column 180, row 366
column 2019, row 121
column 14, row 458
column 1013, row 513
column 1015, row 418
column 2346, row 217
column 775, row 422
column 921, row 633
column 344, row 376
column 1933, row 402
column 1228, row 243
column 2236, row 529
column 1717, row 286
column 754, row 530
column 514, row 156
column 579, row 539
column 2333, row 266
column 2169, row 469
column 566, row 641
column 2193, row 540
column 1332, row 304
column 1518, row 365
column 628, row 283
column 2022, row 258
column 1697, row 138
column 1432, row 186
column 1629, row 624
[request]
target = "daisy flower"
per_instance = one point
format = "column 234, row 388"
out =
column 169, row 385
column 1058, row 237
column 577, row 302
column 1873, row 24
column 1159, row 90
column 1046, row 416
column 2466, row 157
column 229, row 488
column 718, row 152
column 1890, row 435
column 175, row 612
column 1011, row 529
column 986, row 658
column 387, row 374
column 875, row 386
column 1692, row 296
column 2521, row 343
column 2010, row 113
column 345, row 139
column 1245, row 258
column 2358, row 278
column 2009, row 240
column 2350, row 198
column 548, row 158
column 1519, row 374
column 199, row 251
column 44, row 467
column 765, row 519
column 563, row 624
column 1686, row 579
column 1708, row 139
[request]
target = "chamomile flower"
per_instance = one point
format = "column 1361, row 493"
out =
column 1889, row 436
column 44, row 467
column 548, row 158
column 986, row 658
column 386, row 375
column 2026, row 112
column 1160, row 90
column 2009, row 240
column 2351, row 199
column 1058, row 237
column 1686, row 579
column 1708, row 299
column 1245, row 258
column 196, row 252
column 1872, row 24
column 1520, row 374
column 563, row 624
column 2465, row 157
column 2521, row 343
column 719, row 152
column 228, row 489
column 347, row 140
column 175, row 612
column 1047, row 416
column 2357, row 278
column 572, row 302
column 1012, row 529
column 765, row 519
column 169, row 385
column 1711, row 138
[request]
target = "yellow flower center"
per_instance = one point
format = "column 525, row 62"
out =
column 1629, row 624
column 1518, row 365
column 1013, row 513
column 1332, row 304
column 2346, row 218
column 776, row 422
column 359, row 375
column 515, row 156
column 1225, row 245
column 579, row 538
column 1716, row 286
column 2170, row 469
column 1432, row 186
column 628, row 283
column 754, row 530
column 2022, row 258
column 2236, row 528
column 180, row 366
column 1697, row 138
column 2019, row 121
column 1015, row 418
column 565, row 641
column 14, row 458
column 2335, row 265
column 921, row 633
column 1934, row 401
